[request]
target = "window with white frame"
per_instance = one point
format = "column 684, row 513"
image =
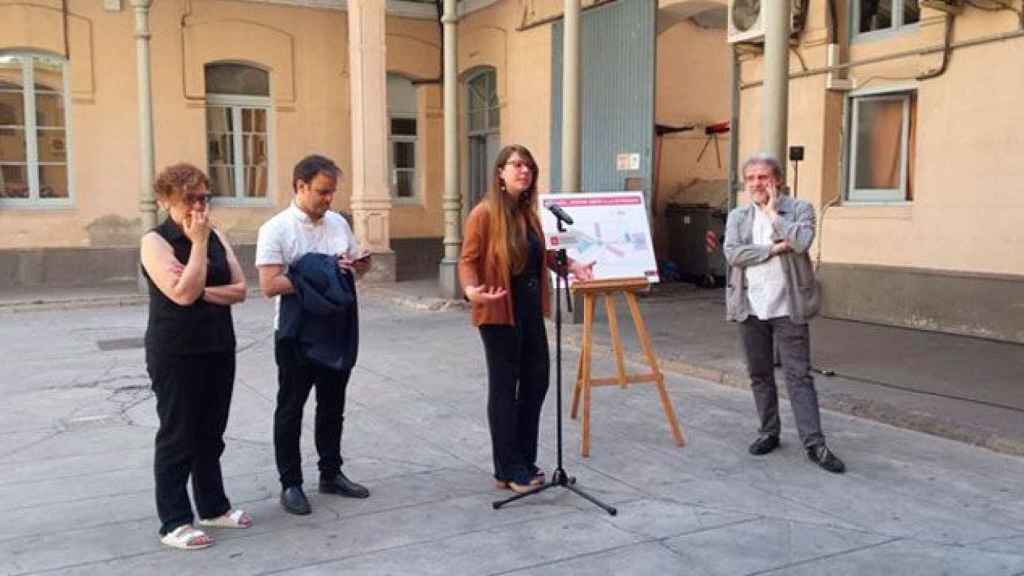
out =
column 403, row 135
column 881, row 148
column 34, row 151
column 238, row 138
column 877, row 15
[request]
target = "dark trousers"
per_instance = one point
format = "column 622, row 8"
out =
column 193, row 398
column 295, row 377
column 517, row 378
column 794, row 343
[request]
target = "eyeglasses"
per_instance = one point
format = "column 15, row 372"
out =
column 519, row 165
column 191, row 199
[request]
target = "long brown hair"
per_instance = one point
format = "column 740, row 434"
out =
column 509, row 216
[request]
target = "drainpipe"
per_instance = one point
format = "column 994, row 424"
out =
column 147, row 202
column 734, row 130
column 775, row 102
column 571, row 98
column 452, row 204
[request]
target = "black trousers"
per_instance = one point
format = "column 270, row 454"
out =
column 193, row 398
column 296, row 376
column 517, row 376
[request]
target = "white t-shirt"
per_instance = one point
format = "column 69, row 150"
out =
column 766, row 282
column 292, row 234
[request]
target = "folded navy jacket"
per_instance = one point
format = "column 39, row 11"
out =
column 321, row 316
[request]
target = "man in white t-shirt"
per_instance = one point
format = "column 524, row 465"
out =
column 772, row 293
column 307, row 226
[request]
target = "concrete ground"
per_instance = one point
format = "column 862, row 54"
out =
column 965, row 388
column 78, row 419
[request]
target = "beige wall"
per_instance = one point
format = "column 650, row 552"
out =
column 965, row 215
column 414, row 51
column 305, row 51
column 693, row 75
column 693, row 87
column 522, row 63
column 97, row 103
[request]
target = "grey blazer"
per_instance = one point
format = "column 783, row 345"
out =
column 795, row 224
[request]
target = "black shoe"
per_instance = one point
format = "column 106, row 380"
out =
column 824, row 457
column 342, row 486
column 764, row 444
column 294, row 501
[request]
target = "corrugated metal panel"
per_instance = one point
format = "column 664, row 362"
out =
column 617, row 92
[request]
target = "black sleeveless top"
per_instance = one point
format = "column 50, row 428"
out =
column 201, row 327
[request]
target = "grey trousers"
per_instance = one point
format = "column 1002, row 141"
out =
column 794, row 343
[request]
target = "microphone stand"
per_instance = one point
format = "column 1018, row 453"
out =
column 559, row 477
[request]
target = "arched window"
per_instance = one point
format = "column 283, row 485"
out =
column 403, row 136
column 238, row 130
column 483, row 101
column 483, row 120
column 34, row 155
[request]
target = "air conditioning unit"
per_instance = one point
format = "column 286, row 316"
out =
column 947, row 6
column 746, row 19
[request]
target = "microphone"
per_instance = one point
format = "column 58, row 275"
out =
column 560, row 214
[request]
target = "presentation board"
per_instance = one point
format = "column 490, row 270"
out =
column 609, row 229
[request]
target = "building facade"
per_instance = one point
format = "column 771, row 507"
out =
column 241, row 89
column 244, row 89
column 906, row 111
column 910, row 132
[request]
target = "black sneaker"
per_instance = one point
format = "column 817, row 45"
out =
column 824, row 457
column 764, row 444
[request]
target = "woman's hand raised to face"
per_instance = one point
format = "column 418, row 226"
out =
column 197, row 226
column 484, row 294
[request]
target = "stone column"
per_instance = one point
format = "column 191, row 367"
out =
column 571, row 97
column 448, row 277
column 775, row 102
column 371, row 195
column 571, row 156
column 147, row 201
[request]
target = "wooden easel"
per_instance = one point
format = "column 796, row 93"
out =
column 584, row 378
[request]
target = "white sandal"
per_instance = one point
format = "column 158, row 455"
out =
column 230, row 519
column 185, row 537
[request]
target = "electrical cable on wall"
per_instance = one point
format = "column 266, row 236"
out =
column 821, row 229
column 947, row 51
column 67, row 43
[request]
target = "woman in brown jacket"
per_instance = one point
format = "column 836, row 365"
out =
column 504, row 273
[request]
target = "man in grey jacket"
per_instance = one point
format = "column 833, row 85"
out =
column 772, row 294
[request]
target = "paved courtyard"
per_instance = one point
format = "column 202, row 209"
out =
column 76, row 488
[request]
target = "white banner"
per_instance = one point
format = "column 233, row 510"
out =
column 609, row 229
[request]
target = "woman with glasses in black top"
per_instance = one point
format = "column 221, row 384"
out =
column 194, row 278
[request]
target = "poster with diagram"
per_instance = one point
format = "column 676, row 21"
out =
column 609, row 229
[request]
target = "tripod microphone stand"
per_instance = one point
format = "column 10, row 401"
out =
column 559, row 477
